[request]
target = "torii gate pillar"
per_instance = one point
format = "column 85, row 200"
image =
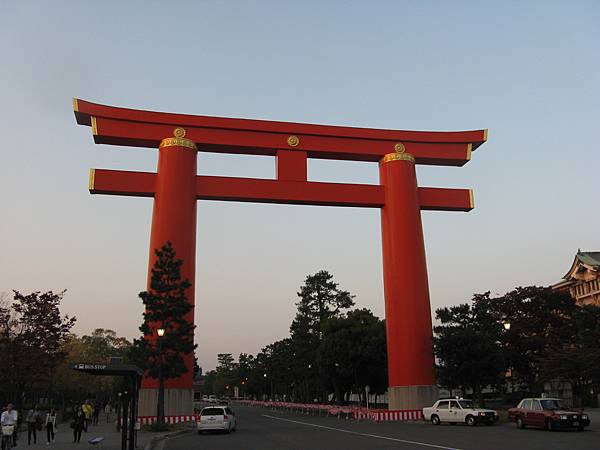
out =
column 174, row 219
column 407, row 311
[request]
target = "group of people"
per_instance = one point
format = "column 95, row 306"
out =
column 35, row 420
column 87, row 414
column 84, row 415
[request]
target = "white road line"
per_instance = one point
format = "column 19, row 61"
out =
column 361, row 434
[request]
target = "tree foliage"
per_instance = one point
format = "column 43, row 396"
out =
column 97, row 347
column 468, row 348
column 32, row 333
column 549, row 338
column 330, row 349
column 167, row 307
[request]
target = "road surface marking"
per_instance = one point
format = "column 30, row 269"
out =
column 361, row 434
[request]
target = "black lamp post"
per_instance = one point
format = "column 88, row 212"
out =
column 160, row 406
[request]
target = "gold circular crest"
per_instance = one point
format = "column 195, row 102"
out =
column 399, row 147
column 179, row 132
column 293, row 141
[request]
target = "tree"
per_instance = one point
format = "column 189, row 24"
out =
column 226, row 374
column 538, row 317
column 97, row 347
column 320, row 300
column 32, row 332
column 574, row 355
column 167, row 308
column 353, row 354
column 467, row 346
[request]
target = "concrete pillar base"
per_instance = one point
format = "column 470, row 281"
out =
column 412, row 397
column 178, row 402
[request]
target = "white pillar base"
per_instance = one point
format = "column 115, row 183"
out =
column 178, row 402
column 412, row 397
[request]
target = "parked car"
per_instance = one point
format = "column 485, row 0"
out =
column 212, row 398
column 547, row 413
column 216, row 418
column 459, row 411
column 205, row 398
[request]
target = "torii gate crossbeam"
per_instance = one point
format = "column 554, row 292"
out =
column 176, row 187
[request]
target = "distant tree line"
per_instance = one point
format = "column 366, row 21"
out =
column 38, row 350
column 518, row 342
column 331, row 349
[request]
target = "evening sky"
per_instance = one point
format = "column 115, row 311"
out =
column 528, row 71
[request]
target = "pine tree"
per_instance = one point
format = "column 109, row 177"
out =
column 320, row 300
column 168, row 308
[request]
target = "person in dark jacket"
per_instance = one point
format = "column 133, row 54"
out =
column 34, row 421
column 50, row 425
column 78, row 424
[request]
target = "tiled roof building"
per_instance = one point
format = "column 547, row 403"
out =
column 582, row 280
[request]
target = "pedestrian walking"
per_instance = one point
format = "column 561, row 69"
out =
column 34, row 422
column 9, row 418
column 107, row 411
column 50, row 426
column 87, row 412
column 78, row 424
column 96, row 413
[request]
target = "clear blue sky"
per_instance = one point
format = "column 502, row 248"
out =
column 528, row 71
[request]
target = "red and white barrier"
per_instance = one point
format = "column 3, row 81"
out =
column 357, row 413
column 397, row 415
column 149, row 420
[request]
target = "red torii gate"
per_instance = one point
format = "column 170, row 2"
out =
column 176, row 187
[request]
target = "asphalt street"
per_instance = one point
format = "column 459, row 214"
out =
column 263, row 429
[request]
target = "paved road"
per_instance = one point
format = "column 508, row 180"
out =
column 263, row 429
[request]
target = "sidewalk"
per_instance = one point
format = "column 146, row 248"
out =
column 64, row 438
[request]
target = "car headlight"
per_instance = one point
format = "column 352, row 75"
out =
column 584, row 417
column 495, row 413
column 563, row 417
column 482, row 414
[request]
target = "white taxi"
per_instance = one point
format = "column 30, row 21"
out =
column 220, row 418
column 459, row 411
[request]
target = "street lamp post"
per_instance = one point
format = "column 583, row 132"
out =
column 160, row 407
column 506, row 326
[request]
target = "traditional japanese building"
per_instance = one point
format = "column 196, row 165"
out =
column 582, row 280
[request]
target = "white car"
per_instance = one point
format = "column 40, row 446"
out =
column 216, row 418
column 459, row 411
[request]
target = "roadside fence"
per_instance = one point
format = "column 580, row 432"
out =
column 341, row 412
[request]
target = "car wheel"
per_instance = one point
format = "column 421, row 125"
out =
column 435, row 420
column 520, row 423
column 550, row 425
column 470, row 420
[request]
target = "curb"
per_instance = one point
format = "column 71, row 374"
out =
column 153, row 444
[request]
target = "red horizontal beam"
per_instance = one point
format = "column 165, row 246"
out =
column 445, row 199
column 139, row 134
column 121, row 126
column 121, row 182
column 289, row 192
column 141, row 184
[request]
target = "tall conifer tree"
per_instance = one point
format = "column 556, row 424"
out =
column 166, row 307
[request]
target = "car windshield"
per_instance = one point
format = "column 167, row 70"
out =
column 465, row 404
column 212, row 412
column 551, row 404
